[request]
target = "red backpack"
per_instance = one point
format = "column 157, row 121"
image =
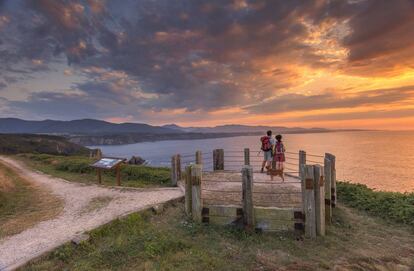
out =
column 266, row 146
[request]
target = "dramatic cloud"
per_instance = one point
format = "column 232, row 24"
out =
column 133, row 59
column 296, row 102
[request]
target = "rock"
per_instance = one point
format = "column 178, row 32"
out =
column 80, row 238
column 158, row 209
column 136, row 160
column 95, row 153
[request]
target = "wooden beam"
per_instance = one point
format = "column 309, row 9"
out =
column 199, row 158
column 319, row 199
column 302, row 164
column 221, row 215
column 332, row 158
column 218, row 159
column 188, row 191
column 174, row 170
column 247, row 156
column 118, row 175
column 273, row 218
column 328, row 191
column 302, row 161
column 197, row 203
column 99, row 174
column 309, row 203
column 247, row 187
column 178, row 165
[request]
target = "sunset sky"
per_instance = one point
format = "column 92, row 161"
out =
column 334, row 64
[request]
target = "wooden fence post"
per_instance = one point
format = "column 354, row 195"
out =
column 199, row 158
column 248, row 208
column 309, row 203
column 302, row 161
column 188, row 191
column 196, row 202
column 118, row 175
column 218, row 159
column 174, row 170
column 179, row 173
column 328, row 182
column 247, row 156
column 99, row 173
column 302, row 164
column 319, row 199
column 332, row 158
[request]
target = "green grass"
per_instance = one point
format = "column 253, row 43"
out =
column 169, row 241
column 78, row 169
column 391, row 206
column 28, row 143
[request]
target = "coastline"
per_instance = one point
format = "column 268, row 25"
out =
column 133, row 138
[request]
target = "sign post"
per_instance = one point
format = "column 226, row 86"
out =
column 109, row 163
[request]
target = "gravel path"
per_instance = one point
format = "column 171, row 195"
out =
column 47, row 235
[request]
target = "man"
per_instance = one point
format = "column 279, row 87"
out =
column 267, row 147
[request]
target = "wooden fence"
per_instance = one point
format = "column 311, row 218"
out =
column 217, row 193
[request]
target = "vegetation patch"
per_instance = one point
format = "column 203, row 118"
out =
column 169, row 241
column 22, row 204
column 96, row 204
column 26, row 143
column 78, row 169
column 391, row 206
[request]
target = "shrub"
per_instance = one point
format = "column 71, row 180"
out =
column 75, row 165
column 149, row 174
column 392, row 206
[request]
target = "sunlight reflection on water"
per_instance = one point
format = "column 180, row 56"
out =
column 382, row 160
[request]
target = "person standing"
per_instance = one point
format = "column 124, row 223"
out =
column 267, row 148
column 278, row 159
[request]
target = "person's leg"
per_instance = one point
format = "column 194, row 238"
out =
column 281, row 168
column 265, row 159
column 268, row 159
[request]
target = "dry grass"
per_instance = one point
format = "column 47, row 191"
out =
column 23, row 204
column 96, row 204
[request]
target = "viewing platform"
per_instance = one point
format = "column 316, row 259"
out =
column 230, row 189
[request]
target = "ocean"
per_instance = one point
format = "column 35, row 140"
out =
column 383, row 160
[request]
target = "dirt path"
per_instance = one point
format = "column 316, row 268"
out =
column 78, row 215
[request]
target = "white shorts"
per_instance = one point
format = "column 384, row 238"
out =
column 267, row 156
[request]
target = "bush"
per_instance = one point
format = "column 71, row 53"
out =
column 75, row 165
column 392, row 206
column 149, row 174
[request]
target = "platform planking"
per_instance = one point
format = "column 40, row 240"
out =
column 225, row 188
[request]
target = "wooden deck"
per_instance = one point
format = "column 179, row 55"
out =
column 225, row 188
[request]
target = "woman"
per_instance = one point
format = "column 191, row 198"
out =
column 278, row 159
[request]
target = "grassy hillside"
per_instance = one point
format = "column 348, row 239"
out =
column 22, row 204
column 391, row 206
column 78, row 169
column 19, row 143
column 170, row 242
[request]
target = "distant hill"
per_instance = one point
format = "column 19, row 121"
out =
column 234, row 128
column 84, row 126
column 90, row 132
column 26, row 143
column 99, row 127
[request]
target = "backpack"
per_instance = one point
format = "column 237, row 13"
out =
column 279, row 148
column 266, row 145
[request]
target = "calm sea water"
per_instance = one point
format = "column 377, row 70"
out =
column 382, row 160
